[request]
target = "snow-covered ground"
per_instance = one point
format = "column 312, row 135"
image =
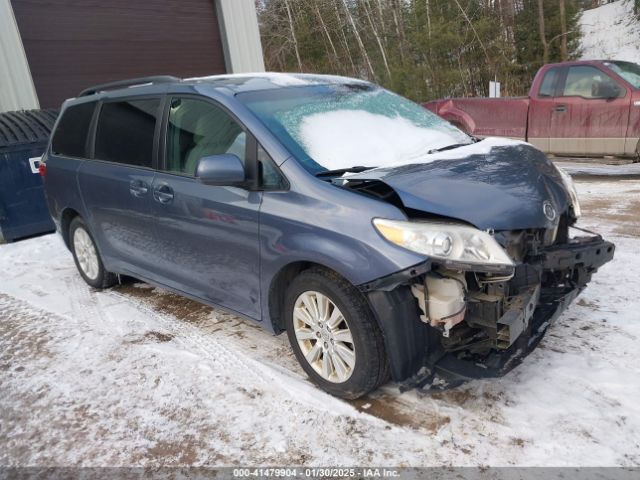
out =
column 584, row 168
column 139, row 376
column 611, row 32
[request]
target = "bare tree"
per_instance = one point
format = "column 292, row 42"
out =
column 326, row 32
column 563, row 31
column 375, row 34
column 475, row 32
column 343, row 35
column 428, row 8
column 543, row 35
column 293, row 34
column 356, row 34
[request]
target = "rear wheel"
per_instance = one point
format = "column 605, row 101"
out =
column 334, row 335
column 86, row 256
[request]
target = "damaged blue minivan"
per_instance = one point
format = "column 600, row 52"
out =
column 385, row 242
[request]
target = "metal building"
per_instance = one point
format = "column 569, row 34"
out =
column 52, row 49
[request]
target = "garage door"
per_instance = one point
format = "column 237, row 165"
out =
column 72, row 44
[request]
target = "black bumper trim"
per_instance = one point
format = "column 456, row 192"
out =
column 588, row 252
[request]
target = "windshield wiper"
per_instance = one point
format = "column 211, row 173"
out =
column 449, row 147
column 340, row 171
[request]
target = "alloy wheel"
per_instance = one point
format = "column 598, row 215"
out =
column 324, row 336
column 86, row 253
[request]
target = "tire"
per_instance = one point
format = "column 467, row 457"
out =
column 93, row 273
column 370, row 365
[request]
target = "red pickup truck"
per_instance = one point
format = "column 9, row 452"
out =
column 586, row 108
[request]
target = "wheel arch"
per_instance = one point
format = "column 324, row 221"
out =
column 405, row 336
column 278, row 289
column 457, row 117
column 66, row 217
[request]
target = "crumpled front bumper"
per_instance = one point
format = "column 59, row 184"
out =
column 451, row 370
column 538, row 309
column 538, row 303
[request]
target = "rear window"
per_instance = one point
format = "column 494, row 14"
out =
column 125, row 132
column 70, row 137
column 548, row 87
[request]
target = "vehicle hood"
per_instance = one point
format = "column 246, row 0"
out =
column 501, row 187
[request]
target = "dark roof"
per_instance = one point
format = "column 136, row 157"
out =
column 26, row 126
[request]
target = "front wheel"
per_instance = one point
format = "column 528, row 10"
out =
column 334, row 335
column 86, row 256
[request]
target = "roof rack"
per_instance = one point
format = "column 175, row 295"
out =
column 128, row 83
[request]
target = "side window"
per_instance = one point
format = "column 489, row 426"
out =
column 199, row 129
column 70, row 137
column 125, row 132
column 548, row 86
column 268, row 175
column 589, row 82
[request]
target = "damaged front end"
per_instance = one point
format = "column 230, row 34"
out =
column 472, row 322
column 501, row 262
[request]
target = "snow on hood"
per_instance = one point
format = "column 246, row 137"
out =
column 484, row 184
column 483, row 147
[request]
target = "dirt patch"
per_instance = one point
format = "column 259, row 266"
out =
column 150, row 337
column 586, row 303
column 169, row 303
column 382, row 409
column 387, row 409
column 518, row 442
column 455, row 395
column 622, row 211
column 21, row 338
column 181, row 453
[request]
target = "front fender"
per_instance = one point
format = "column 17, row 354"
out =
column 332, row 229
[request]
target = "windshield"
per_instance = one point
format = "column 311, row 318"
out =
column 627, row 70
column 338, row 126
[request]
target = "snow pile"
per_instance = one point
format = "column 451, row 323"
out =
column 611, row 32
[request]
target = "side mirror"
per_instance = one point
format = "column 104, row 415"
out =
column 224, row 170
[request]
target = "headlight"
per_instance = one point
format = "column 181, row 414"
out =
column 573, row 193
column 450, row 242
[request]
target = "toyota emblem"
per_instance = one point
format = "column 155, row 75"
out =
column 549, row 211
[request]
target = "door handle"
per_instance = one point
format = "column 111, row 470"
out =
column 560, row 108
column 138, row 188
column 163, row 194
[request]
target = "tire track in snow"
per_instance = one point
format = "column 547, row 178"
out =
column 67, row 391
column 248, row 371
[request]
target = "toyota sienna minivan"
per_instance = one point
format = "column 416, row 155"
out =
column 385, row 242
